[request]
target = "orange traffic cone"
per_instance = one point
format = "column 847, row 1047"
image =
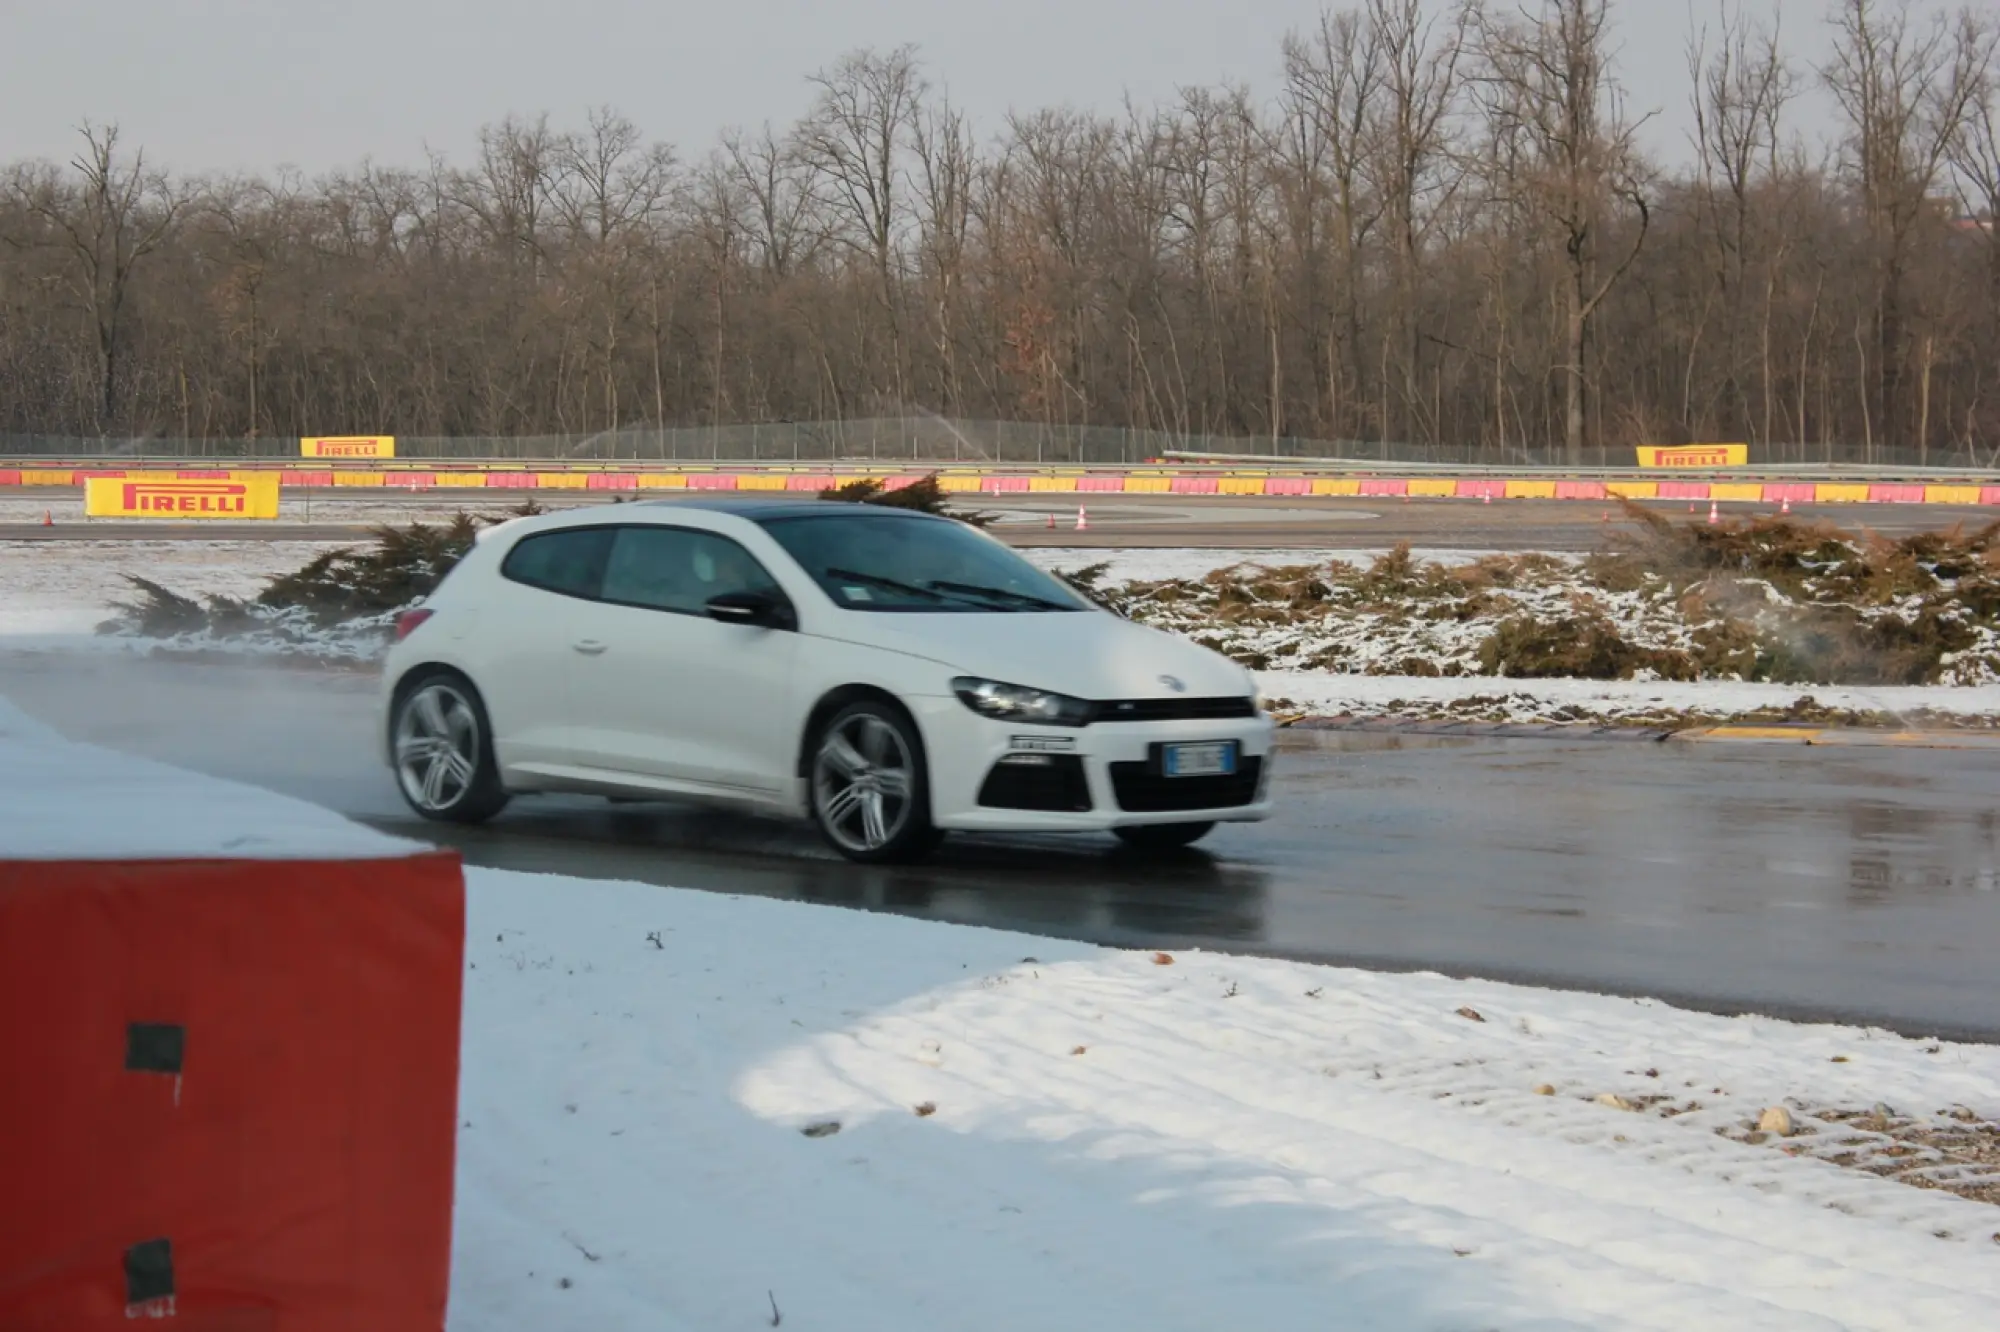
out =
column 48, row 518
column 1713, row 516
column 1052, row 522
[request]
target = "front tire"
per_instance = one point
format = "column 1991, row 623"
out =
column 871, row 786
column 442, row 747
column 1163, row 836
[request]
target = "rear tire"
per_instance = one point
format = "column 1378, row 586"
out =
column 870, row 786
column 1163, row 836
column 441, row 747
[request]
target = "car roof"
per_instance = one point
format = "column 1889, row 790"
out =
column 760, row 510
column 725, row 506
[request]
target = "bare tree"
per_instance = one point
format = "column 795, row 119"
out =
column 1413, row 169
column 109, row 221
column 776, row 179
column 1332, row 78
column 1905, row 88
column 1741, row 89
column 947, row 175
column 1549, row 81
column 856, row 138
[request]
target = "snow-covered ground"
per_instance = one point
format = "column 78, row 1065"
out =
column 688, row 1111
column 1488, row 698
column 68, row 588
column 1048, row 1135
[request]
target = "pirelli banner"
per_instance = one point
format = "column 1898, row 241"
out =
column 1696, row 455
column 348, row 446
column 244, row 495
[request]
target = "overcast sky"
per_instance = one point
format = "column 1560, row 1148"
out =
column 249, row 84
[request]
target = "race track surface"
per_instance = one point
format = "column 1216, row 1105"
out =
column 1859, row 885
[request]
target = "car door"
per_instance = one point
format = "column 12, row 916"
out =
column 672, row 695
column 524, row 642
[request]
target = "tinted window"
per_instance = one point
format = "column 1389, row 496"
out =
column 883, row 562
column 679, row 569
column 570, row 562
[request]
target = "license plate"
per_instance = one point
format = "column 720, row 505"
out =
column 1216, row 759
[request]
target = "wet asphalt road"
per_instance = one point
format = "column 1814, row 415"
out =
column 1291, row 523
column 1858, row 885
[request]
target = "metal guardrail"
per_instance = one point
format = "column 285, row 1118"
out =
column 919, row 439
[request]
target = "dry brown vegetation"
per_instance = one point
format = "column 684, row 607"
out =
column 1764, row 599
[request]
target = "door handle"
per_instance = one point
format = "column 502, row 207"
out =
column 590, row 647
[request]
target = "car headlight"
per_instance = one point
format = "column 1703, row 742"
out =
column 1007, row 702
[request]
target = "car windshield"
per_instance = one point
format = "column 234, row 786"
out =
column 876, row 562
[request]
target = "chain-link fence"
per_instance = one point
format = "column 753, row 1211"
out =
column 938, row 440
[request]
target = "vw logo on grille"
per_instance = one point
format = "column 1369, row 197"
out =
column 1174, row 684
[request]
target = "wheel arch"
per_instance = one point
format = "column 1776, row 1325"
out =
column 833, row 700
column 415, row 675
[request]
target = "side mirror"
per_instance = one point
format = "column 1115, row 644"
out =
column 752, row 608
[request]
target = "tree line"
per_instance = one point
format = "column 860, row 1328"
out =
column 1438, row 230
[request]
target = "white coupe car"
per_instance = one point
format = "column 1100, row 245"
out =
column 891, row 675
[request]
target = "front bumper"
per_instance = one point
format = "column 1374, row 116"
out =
column 964, row 748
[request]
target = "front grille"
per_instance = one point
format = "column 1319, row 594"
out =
column 1171, row 709
column 1048, row 782
column 1142, row 789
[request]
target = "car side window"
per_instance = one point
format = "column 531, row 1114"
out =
column 680, row 569
column 570, row 561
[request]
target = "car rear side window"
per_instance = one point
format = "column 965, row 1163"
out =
column 570, row 561
column 680, row 569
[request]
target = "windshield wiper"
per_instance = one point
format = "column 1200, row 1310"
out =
column 1000, row 594
column 886, row 584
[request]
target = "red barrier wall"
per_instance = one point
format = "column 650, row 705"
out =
column 1888, row 493
column 231, row 1093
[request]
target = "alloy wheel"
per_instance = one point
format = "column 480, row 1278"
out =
column 864, row 783
column 437, row 747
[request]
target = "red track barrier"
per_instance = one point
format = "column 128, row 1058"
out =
column 232, row 1093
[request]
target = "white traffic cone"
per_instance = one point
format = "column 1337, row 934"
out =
column 1785, row 504
column 1713, row 516
column 1485, row 497
column 1082, row 520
